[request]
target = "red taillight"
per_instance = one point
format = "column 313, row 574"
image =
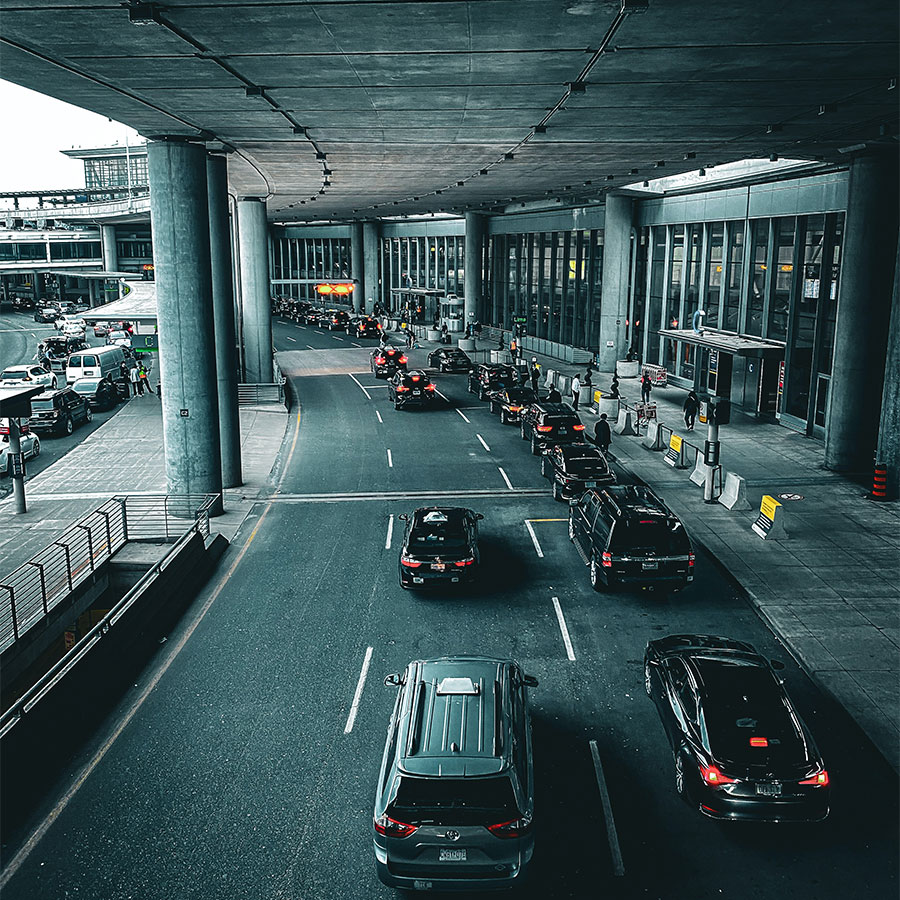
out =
column 415, row 377
column 401, row 388
column 713, row 776
column 464, row 562
column 389, row 827
column 606, row 560
column 759, row 742
column 402, row 359
column 429, row 387
column 378, row 326
column 515, row 408
column 820, row 779
column 409, row 563
column 512, row 829
column 691, row 559
column 543, row 429
column 379, row 360
column 578, row 428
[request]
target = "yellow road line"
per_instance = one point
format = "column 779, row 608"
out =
column 546, row 520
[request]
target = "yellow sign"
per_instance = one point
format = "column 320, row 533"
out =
column 572, row 270
column 768, row 506
column 597, row 396
column 675, row 443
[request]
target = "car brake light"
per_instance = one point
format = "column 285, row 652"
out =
column 378, row 326
column 415, row 378
column 401, row 388
column 389, row 827
column 578, row 428
column 403, row 359
column 820, row 779
column 512, row 829
column 713, row 776
column 759, row 742
column 464, row 562
column 515, row 408
column 544, row 428
column 429, row 387
column 379, row 360
column 409, row 563
column 606, row 560
column 691, row 559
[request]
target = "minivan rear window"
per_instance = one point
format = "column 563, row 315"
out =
column 455, row 801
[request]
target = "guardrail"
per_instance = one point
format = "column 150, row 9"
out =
column 254, row 394
column 31, row 591
column 664, row 430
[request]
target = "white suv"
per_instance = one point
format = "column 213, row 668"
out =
column 30, row 375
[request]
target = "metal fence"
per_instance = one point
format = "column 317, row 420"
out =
column 254, row 394
column 30, row 592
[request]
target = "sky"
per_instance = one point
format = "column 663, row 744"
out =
column 30, row 157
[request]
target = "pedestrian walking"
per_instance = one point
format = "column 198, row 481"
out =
column 691, row 408
column 513, row 349
column 134, row 379
column 144, row 383
column 646, row 387
column 576, row 392
column 554, row 396
column 603, row 434
column 534, row 373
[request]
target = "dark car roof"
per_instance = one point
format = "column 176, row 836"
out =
column 555, row 409
column 580, row 451
column 418, row 373
column 519, row 392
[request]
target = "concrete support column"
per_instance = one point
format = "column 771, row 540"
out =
column 179, row 217
column 371, row 234
column 868, row 262
column 223, row 319
column 93, row 284
column 108, row 248
column 255, row 302
column 356, row 265
column 614, row 291
column 889, row 432
column 474, row 262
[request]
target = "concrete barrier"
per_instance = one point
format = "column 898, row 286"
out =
column 769, row 524
column 432, row 334
column 653, row 439
column 675, row 452
column 467, row 344
column 701, row 469
column 608, row 405
column 626, row 369
column 625, row 423
column 734, row 496
column 564, row 386
column 550, row 380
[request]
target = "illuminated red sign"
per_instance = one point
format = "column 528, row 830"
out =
column 341, row 288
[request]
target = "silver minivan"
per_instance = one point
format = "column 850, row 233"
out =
column 454, row 804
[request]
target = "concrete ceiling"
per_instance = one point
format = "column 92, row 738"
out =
column 417, row 107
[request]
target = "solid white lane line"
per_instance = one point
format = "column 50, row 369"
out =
column 611, row 834
column 334, row 337
column 464, row 417
column 360, row 386
column 294, row 340
column 379, row 417
column 355, row 345
column 390, row 533
column 390, row 460
column 483, row 444
column 359, row 689
column 564, row 629
column 534, row 540
column 505, row 478
column 310, row 347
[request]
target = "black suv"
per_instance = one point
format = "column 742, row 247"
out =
column 334, row 319
column 387, row 360
column 488, row 377
column 440, row 546
column 59, row 411
column 449, row 359
column 629, row 537
column 411, row 389
column 574, row 468
column 550, row 423
column 364, row 326
column 510, row 402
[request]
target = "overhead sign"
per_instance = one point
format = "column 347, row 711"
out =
column 341, row 289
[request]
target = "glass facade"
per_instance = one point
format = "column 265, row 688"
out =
column 112, row 171
column 298, row 264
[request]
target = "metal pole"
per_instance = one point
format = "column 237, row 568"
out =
column 712, row 438
column 18, row 478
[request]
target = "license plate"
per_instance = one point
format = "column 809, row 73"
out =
column 452, row 856
column 562, row 431
column 769, row 790
column 650, row 564
column 416, row 392
column 590, row 484
column 438, row 567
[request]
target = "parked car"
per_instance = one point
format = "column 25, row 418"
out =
column 101, row 393
column 364, row 327
column 630, row 538
column 28, row 441
column 70, row 324
column 741, row 750
column 413, row 388
column 574, row 468
column 546, row 424
column 46, row 314
column 28, row 375
column 439, row 547
column 454, row 802
column 487, row 377
column 385, row 361
column 510, row 402
column 449, row 359
column 122, row 338
column 23, row 303
column 334, row 319
column 101, row 329
column 59, row 411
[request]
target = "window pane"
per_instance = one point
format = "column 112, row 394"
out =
column 735, row 272
column 714, row 279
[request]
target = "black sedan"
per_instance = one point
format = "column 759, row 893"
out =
column 741, row 750
column 510, row 401
column 440, row 546
column 46, row 314
column 101, row 393
column 573, row 468
column 387, row 360
column 411, row 389
column 334, row 319
column 449, row 359
column 364, row 327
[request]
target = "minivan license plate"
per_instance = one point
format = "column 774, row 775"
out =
column 452, row 856
column 769, row 790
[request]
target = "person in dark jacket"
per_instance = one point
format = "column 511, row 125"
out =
column 603, row 434
column 554, row 396
column 691, row 408
column 534, row 373
column 646, row 387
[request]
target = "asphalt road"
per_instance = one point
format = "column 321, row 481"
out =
column 230, row 769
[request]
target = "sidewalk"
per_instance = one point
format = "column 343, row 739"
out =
column 125, row 456
column 829, row 590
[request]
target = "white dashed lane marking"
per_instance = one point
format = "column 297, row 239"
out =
column 390, row 533
column 379, row 417
column 483, row 444
column 359, row 689
column 390, row 460
column 534, row 540
column 611, row 833
column 464, row 417
column 505, row 478
column 564, row 630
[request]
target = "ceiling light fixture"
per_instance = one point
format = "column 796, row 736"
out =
column 690, row 155
column 701, row 172
column 540, row 129
column 576, row 87
column 144, row 14
column 320, row 155
column 771, row 129
column 299, row 129
column 482, row 171
column 509, row 155
column 773, row 157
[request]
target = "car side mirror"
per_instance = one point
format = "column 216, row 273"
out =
column 777, row 664
column 393, row 680
column 479, row 516
column 529, row 681
column 573, row 501
column 403, row 517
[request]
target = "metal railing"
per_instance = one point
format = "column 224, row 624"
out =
column 31, row 591
column 254, row 394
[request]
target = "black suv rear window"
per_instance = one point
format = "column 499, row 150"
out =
column 659, row 537
column 455, row 801
column 582, row 464
column 564, row 421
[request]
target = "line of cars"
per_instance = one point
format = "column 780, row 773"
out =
column 305, row 313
